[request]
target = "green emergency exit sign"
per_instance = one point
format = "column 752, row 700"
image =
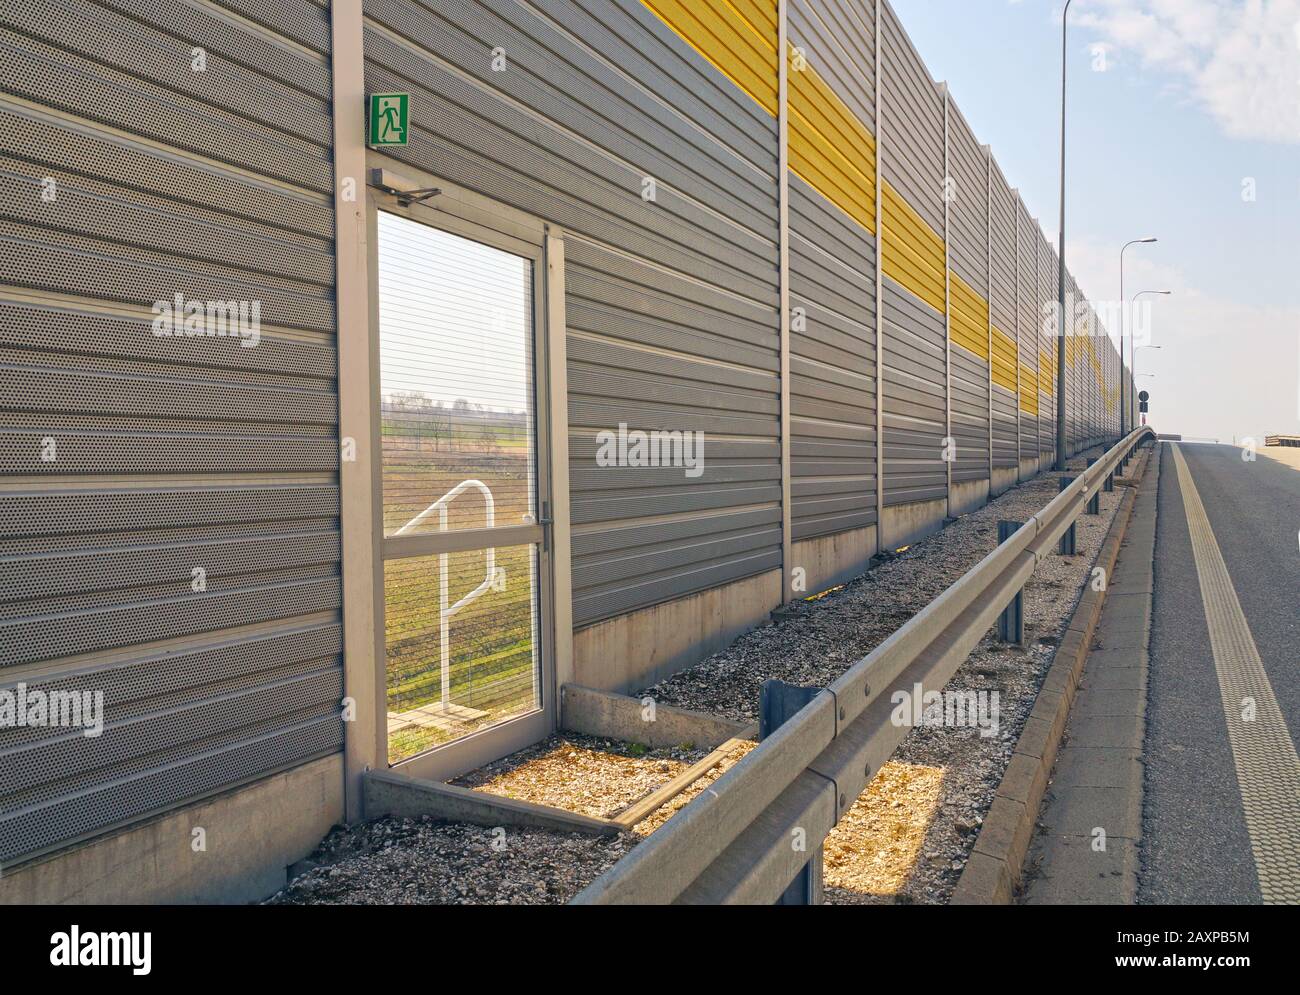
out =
column 390, row 118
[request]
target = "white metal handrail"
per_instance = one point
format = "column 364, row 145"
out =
column 445, row 612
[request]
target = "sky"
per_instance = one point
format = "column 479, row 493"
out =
column 1178, row 111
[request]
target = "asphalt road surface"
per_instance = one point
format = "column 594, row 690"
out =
column 1220, row 824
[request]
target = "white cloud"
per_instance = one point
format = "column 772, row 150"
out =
column 1239, row 59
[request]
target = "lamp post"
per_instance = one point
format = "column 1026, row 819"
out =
column 1123, row 321
column 1060, row 270
column 1135, row 346
column 1135, row 352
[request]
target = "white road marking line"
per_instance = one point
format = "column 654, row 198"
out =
column 1268, row 770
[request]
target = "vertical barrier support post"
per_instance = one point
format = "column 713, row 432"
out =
column 1011, row 623
column 778, row 703
column 1068, row 543
column 1094, row 502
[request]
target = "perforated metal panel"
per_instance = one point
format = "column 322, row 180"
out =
column 169, row 540
column 832, row 285
column 671, row 303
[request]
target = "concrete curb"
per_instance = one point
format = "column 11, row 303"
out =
column 610, row 715
column 992, row 873
column 393, row 794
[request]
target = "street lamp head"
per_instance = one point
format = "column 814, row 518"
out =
column 1149, row 238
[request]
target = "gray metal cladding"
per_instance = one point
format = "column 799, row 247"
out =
column 644, row 535
column 832, row 296
column 1028, row 324
column 1002, row 300
column 970, row 415
column 837, row 37
column 914, row 398
column 968, row 249
column 1002, row 259
column 170, row 535
column 671, row 304
column 911, row 156
column 514, row 135
column 1047, row 296
column 1005, row 452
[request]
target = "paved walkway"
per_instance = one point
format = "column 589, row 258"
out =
column 1086, row 847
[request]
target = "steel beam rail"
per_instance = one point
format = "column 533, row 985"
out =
column 732, row 843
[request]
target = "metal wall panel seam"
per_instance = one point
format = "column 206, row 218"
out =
column 880, row 310
column 783, row 181
column 364, row 737
column 948, row 456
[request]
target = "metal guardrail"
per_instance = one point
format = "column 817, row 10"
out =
column 733, row 842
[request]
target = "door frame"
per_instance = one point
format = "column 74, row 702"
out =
column 468, row 214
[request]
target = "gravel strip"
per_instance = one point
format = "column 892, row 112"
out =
column 422, row 862
column 583, row 774
column 873, row 862
column 894, row 813
column 905, row 839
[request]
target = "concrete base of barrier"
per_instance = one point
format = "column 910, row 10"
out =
column 617, row 716
column 404, row 797
column 1029, row 469
column 905, row 523
column 1004, row 478
column 635, row 650
column 834, row 559
column 251, row 835
column 967, row 496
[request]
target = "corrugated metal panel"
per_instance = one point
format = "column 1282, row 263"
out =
column 1002, row 299
column 1047, row 344
column 1028, row 322
column 739, row 38
column 968, row 252
column 1075, row 398
column 913, row 398
column 831, row 107
column 912, row 165
column 970, row 415
column 968, row 203
column 912, row 124
column 832, row 277
column 833, row 356
column 164, row 454
column 671, row 304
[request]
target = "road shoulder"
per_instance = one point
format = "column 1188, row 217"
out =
column 1086, row 848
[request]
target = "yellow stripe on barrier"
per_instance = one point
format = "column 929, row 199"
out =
column 739, row 38
column 912, row 251
column 1004, row 359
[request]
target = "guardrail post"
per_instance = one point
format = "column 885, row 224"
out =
column 1109, row 484
column 1094, row 502
column 1011, row 623
column 1068, row 543
column 778, row 703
